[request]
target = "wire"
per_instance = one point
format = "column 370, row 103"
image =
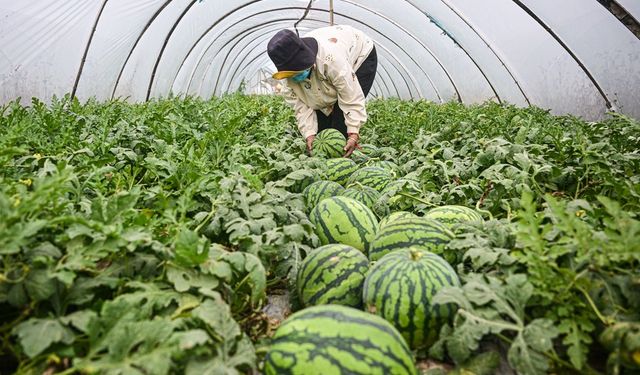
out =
column 306, row 12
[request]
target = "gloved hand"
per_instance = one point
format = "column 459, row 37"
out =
column 310, row 143
column 352, row 143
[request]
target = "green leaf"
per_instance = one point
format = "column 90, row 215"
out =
column 40, row 284
column 36, row 335
column 184, row 279
column 190, row 248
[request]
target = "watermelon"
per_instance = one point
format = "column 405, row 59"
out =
column 297, row 181
column 329, row 143
column 389, row 166
column 400, row 288
column 370, row 150
column 364, row 194
column 344, row 220
column 374, row 177
column 359, row 157
column 402, row 233
column 340, row 169
column 453, row 216
column 320, row 190
column 332, row 274
column 393, row 217
column 336, row 340
column 369, row 196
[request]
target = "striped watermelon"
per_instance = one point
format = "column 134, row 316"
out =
column 389, row 166
column 320, row 190
column 393, row 217
column 340, row 169
column 297, row 181
column 364, row 194
column 369, row 196
column 370, row 150
column 329, row 143
column 344, row 220
column 337, row 340
column 400, row 288
column 452, row 216
column 402, row 233
column 359, row 157
column 332, row 274
column 374, row 177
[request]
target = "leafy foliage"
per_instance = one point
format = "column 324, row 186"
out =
column 143, row 238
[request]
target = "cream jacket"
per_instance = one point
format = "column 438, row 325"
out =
column 341, row 51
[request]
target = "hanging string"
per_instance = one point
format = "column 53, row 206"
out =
column 295, row 26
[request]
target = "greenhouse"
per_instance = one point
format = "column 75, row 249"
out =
column 320, row 187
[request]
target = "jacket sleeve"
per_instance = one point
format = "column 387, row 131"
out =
column 350, row 96
column 305, row 115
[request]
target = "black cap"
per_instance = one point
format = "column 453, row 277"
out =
column 291, row 54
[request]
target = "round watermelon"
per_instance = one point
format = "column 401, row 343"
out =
column 402, row 233
column 340, row 169
column 344, row 220
column 332, row 274
column 336, row 340
column 297, row 181
column 453, row 216
column 389, row 166
column 370, row 150
column 359, row 157
column 374, row 177
column 400, row 288
column 320, row 190
column 393, row 217
column 364, row 194
column 329, row 143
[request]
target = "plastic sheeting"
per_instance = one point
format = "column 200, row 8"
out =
column 571, row 56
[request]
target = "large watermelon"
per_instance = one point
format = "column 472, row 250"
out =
column 344, row 220
column 340, row 169
column 374, row 177
column 452, row 216
column 332, row 274
column 417, row 231
column 337, row 340
column 329, row 143
column 320, row 190
column 393, row 217
column 400, row 288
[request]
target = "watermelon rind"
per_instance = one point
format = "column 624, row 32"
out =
column 344, row 220
column 452, row 216
column 374, row 177
column 393, row 217
column 336, row 340
column 400, row 288
column 320, row 190
column 413, row 231
column 332, row 274
column 340, row 169
column 329, row 143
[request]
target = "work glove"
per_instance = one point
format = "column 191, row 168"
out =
column 352, row 144
column 310, row 143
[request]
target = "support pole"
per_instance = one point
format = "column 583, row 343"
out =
column 331, row 12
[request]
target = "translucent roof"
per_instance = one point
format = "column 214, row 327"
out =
column 571, row 56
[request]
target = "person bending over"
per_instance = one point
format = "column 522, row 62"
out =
column 328, row 73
